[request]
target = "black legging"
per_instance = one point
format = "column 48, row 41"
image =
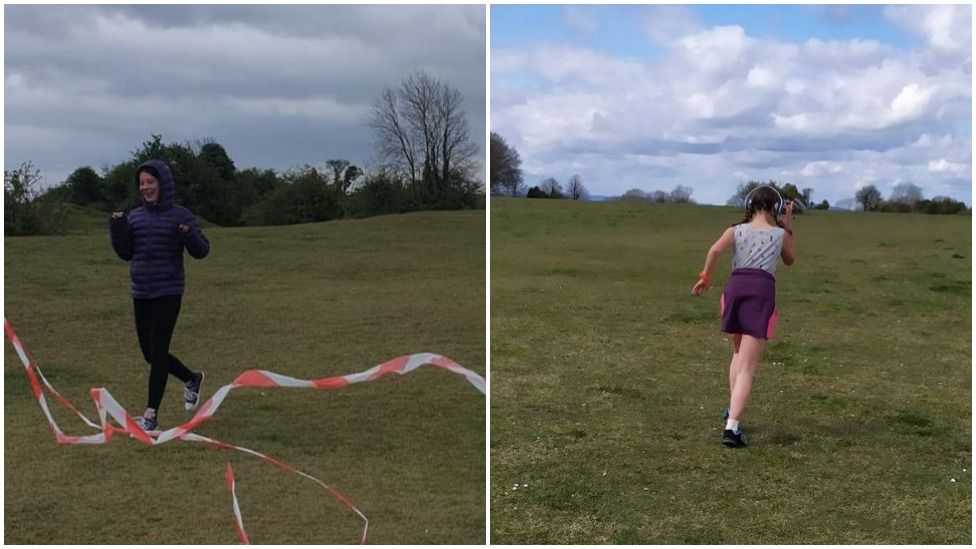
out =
column 155, row 320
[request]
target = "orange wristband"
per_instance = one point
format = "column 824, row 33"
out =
column 704, row 276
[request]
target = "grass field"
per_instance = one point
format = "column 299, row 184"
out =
column 307, row 301
column 608, row 379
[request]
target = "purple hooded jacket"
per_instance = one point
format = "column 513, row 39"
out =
column 150, row 238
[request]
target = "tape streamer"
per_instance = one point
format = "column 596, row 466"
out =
column 107, row 407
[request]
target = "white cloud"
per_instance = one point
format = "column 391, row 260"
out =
column 580, row 18
column 816, row 169
column 278, row 86
column 946, row 28
column 721, row 107
column 719, row 49
column 943, row 165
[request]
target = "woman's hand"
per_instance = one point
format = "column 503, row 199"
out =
column 700, row 287
column 118, row 215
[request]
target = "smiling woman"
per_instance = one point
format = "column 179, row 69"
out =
column 152, row 238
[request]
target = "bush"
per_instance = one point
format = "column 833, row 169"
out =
column 305, row 196
column 26, row 213
column 380, row 194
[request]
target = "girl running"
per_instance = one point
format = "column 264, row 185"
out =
column 153, row 237
column 748, row 303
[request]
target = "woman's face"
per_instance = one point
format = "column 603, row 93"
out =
column 148, row 187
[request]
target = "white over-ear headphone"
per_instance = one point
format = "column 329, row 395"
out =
column 779, row 202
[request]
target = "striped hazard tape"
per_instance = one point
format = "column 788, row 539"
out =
column 124, row 424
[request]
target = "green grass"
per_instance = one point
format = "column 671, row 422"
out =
column 308, row 301
column 608, row 379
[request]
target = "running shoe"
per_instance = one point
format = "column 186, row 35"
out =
column 734, row 439
column 192, row 390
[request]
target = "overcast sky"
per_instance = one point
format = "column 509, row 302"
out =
column 277, row 86
column 828, row 97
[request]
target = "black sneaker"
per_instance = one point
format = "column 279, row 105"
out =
column 191, row 392
column 734, row 439
column 147, row 423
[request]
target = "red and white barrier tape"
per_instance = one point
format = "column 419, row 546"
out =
column 107, row 406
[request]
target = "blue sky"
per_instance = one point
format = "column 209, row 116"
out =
column 620, row 26
column 831, row 97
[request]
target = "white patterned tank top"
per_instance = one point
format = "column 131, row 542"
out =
column 757, row 248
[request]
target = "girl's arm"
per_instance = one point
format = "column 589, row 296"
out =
column 118, row 225
column 789, row 245
column 723, row 243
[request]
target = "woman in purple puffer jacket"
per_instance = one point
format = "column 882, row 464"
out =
column 152, row 237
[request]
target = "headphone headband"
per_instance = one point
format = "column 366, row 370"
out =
column 778, row 208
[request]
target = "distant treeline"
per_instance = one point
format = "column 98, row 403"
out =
column 428, row 163
column 905, row 198
column 506, row 178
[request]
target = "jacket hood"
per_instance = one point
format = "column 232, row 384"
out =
column 167, row 188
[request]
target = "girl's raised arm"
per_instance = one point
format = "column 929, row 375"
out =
column 789, row 246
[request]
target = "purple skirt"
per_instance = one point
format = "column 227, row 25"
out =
column 749, row 303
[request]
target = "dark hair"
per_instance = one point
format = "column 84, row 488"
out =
column 762, row 198
column 148, row 169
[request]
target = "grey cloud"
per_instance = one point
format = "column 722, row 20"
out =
column 277, row 85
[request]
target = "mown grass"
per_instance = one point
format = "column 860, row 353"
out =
column 308, row 301
column 608, row 379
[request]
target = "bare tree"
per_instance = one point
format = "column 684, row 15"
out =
column 575, row 188
column 504, row 170
column 659, row 196
column 422, row 132
column 681, row 194
column 906, row 193
column 634, row 194
column 551, row 187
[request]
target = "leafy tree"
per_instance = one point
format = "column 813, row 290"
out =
column 380, row 193
column 790, row 192
column 504, row 169
column 536, row 192
column 869, row 197
column 807, row 196
column 344, row 174
column 84, row 187
column 214, row 154
column 338, row 167
column 26, row 213
column 305, row 196
column 824, row 205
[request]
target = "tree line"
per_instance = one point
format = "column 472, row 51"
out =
column 906, row 198
column 427, row 161
column 506, row 177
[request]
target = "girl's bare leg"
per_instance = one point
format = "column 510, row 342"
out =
column 750, row 351
column 734, row 365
